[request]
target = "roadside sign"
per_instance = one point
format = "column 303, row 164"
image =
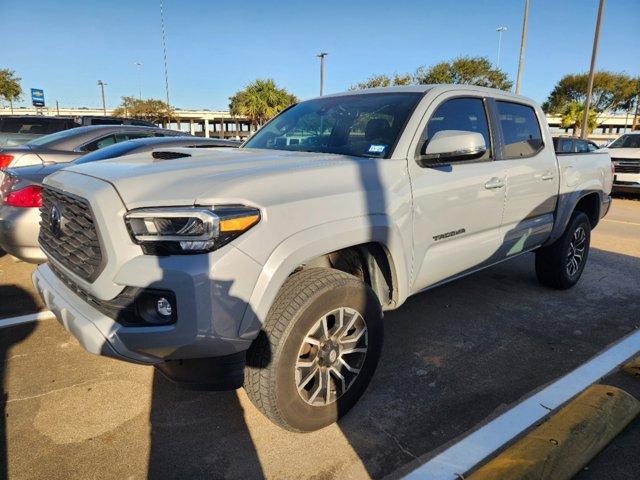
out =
column 37, row 97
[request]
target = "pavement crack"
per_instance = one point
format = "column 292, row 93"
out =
column 31, row 397
column 548, row 408
column 394, row 438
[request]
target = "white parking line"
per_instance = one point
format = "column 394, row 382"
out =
column 32, row 317
column 461, row 457
column 621, row 221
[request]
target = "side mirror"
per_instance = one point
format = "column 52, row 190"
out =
column 452, row 146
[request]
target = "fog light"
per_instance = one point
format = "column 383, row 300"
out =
column 163, row 307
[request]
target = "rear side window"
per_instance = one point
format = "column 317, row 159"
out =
column 99, row 143
column 520, row 130
column 566, row 145
column 467, row 114
column 582, row 146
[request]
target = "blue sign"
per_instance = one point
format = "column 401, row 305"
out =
column 37, row 97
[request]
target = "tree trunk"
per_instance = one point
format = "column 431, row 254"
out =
column 11, row 105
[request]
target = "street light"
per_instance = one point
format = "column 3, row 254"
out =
column 164, row 48
column 500, row 31
column 139, row 65
column 592, row 72
column 104, row 106
column 321, row 56
column 523, row 42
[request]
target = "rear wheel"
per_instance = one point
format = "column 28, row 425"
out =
column 560, row 264
column 317, row 351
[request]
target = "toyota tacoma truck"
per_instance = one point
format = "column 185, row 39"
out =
column 269, row 266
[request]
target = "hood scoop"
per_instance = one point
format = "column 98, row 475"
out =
column 165, row 155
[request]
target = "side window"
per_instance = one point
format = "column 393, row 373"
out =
column 592, row 146
column 99, row 143
column 520, row 130
column 123, row 137
column 467, row 114
column 567, row 145
column 582, row 146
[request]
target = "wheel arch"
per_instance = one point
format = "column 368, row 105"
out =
column 587, row 201
column 374, row 238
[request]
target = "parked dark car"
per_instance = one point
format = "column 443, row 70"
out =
column 16, row 130
column 573, row 145
column 21, row 189
column 68, row 145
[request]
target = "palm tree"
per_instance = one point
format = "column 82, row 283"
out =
column 260, row 101
column 572, row 117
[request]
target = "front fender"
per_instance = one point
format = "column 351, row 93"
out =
column 313, row 242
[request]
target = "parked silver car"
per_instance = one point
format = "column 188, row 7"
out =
column 68, row 145
column 21, row 190
column 19, row 129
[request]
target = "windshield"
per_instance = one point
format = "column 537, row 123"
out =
column 364, row 125
column 54, row 137
column 112, row 151
column 627, row 141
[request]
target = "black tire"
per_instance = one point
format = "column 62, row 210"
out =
column 552, row 262
column 270, row 374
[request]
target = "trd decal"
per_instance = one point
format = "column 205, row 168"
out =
column 449, row 234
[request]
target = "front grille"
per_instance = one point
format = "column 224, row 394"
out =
column 71, row 238
column 627, row 168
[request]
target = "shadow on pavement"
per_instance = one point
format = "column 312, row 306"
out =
column 460, row 354
column 11, row 295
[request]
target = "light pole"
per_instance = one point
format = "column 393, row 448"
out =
column 592, row 72
column 164, row 48
column 523, row 42
column 104, row 105
column 139, row 66
column 500, row 31
column 321, row 57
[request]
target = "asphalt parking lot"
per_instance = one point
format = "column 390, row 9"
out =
column 454, row 357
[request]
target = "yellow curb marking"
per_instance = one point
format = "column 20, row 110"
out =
column 568, row 440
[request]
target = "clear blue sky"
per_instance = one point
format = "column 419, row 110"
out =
column 217, row 47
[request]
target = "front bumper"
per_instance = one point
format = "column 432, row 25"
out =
column 626, row 182
column 19, row 228
column 209, row 309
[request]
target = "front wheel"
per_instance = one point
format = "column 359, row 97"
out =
column 317, row 351
column 560, row 264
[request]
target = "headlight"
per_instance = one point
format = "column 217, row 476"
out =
column 183, row 230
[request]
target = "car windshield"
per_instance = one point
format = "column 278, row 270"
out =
column 627, row 141
column 364, row 125
column 111, row 151
column 54, row 137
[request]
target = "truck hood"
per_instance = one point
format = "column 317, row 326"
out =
column 630, row 153
column 245, row 176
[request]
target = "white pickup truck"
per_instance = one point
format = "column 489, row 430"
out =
column 270, row 265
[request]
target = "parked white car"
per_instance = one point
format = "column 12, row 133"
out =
column 270, row 265
column 625, row 154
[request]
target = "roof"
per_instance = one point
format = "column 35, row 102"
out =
column 426, row 88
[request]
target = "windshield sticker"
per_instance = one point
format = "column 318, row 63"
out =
column 377, row 148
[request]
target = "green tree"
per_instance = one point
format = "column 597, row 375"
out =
column 152, row 110
column 377, row 81
column 10, row 88
column 572, row 117
column 464, row 70
column 611, row 92
column 260, row 101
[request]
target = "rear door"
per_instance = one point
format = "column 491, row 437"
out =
column 532, row 177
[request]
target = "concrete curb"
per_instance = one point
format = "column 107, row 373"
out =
column 567, row 440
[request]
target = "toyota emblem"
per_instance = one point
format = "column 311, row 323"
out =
column 55, row 220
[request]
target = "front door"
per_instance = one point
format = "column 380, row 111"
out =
column 457, row 208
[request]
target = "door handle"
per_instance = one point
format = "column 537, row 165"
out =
column 548, row 176
column 495, row 182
